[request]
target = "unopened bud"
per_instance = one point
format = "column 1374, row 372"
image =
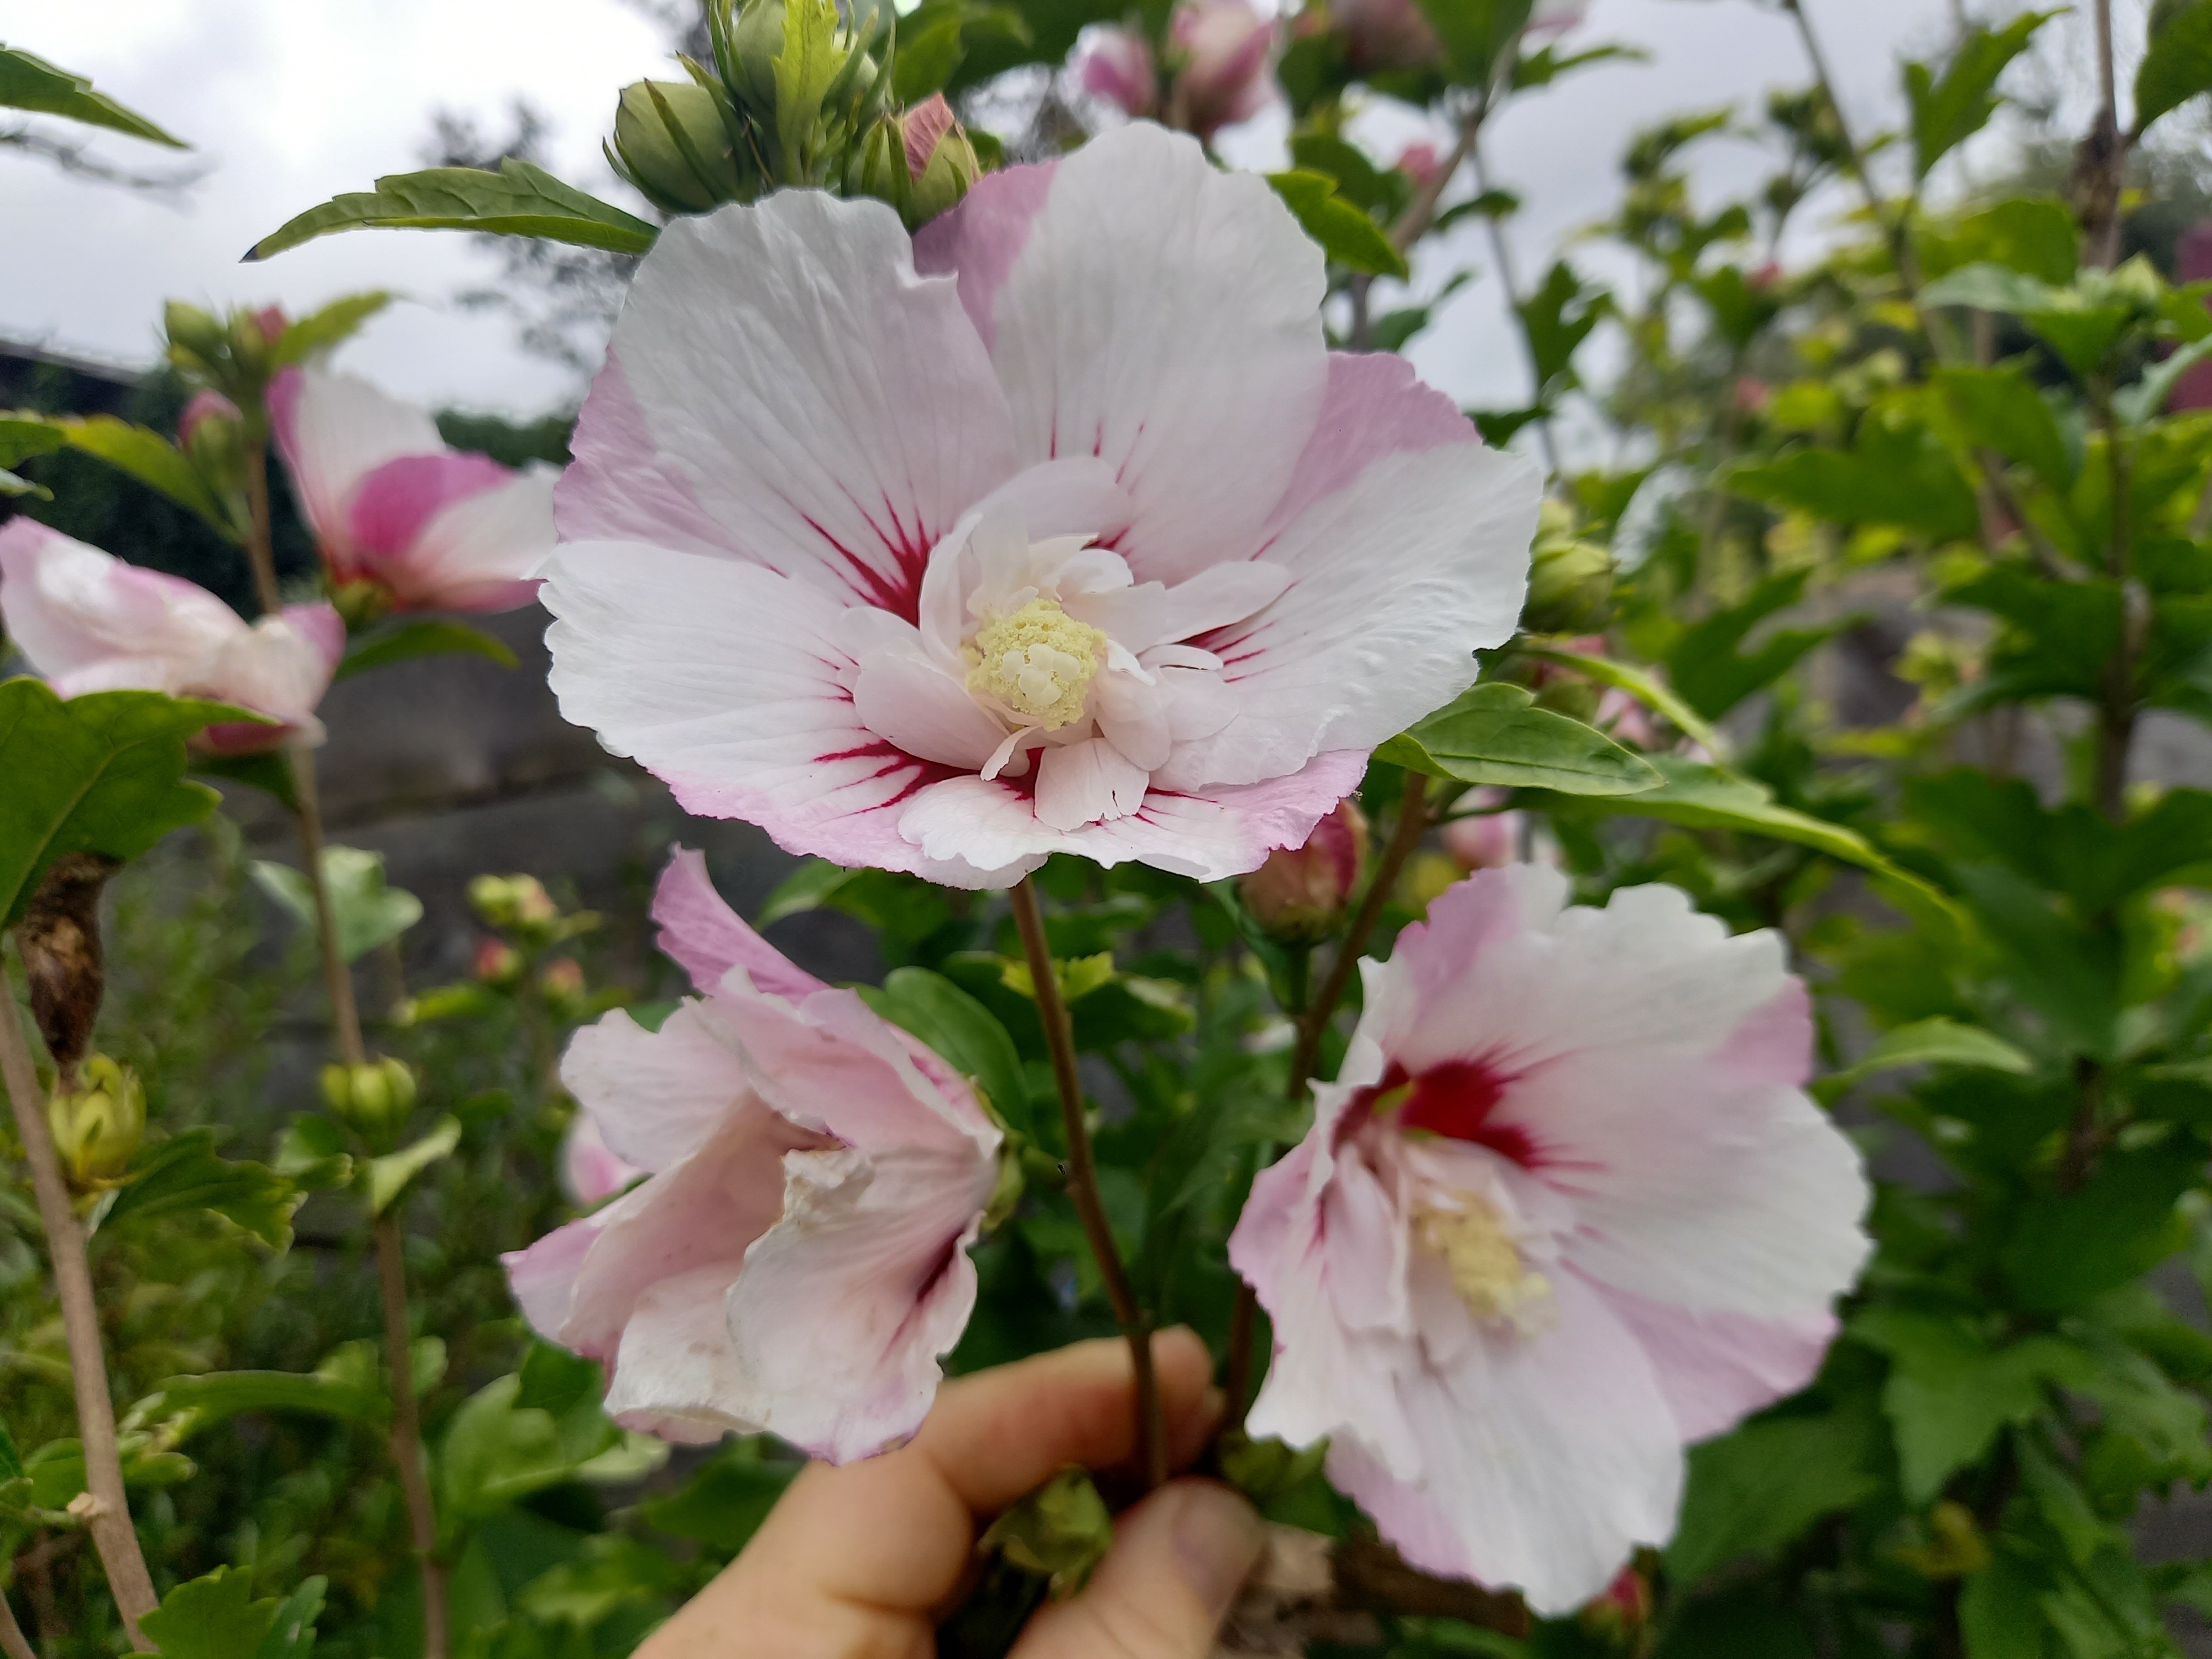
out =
column 374, row 1098
column 1299, row 894
column 250, row 344
column 194, row 332
column 1490, row 841
column 213, row 434
column 671, row 142
column 756, row 42
column 512, row 901
column 1006, row 1193
column 98, row 1125
column 1570, row 579
column 497, row 962
column 921, row 162
column 561, row 983
column 362, row 602
column 1624, row 1607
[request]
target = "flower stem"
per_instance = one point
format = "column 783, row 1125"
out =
column 13, row 1642
column 407, row 1435
column 107, row 1514
column 1313, row 1022
column 1083, row 1185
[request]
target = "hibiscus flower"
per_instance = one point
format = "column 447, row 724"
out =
column 1055, row 529
column 1566, row 1210
column 89, row 622
column 425, row 527
column 796, row 1261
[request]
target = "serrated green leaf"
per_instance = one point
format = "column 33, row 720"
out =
column 212, row 1618
column 2000, row 409
column 962, row 1031
column 2176, row 65
column 401, row 640
column 1754, row 1491
column 1927, row 1042
column 1344, row 232
column 387, row 1177
column 366, row 912
column 1949, row 109
column 519, row 200
column 2066, row 1248
column 103, row 773
column 1494, row 734
column 32, row 83
column 1711, row 671
column 184, row 1175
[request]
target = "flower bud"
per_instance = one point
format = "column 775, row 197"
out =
column 374, row 1098
column 1385, row 34
column 756, row 42
column 671, row 142
column 192, row 331
column 512, row 901
column 251, row 345
column 1420, row 162
column 1624, row 1609
column 1490, row 841
column 212, row 432
column 498, row 963
column 1117, row 64
column 1299, row 894
column 1570, row 579
column 1223, row 77
column 921, row 161
column 562, row 984
column 98, row 1125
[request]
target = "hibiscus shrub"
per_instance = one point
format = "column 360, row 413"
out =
column 1679, row 1102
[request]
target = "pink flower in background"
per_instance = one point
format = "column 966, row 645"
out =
column 796, row 1263
column 1061, row 531
column 1301, row 891
column 2192, row 262
column 203, row 405
column 1385, row 34
column 1221, row 50
column 1566, row 1210
column 1421, row 162
column 1117, row 64
column 590, row 1171
column 435, row 529
column 1555, row 16
column 1490, row 841
column 89, row 622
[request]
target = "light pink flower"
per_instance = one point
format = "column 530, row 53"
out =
column 1117, row 64
column 207, row 404
column 89, row 622
column 1421, row 162
column 1059, row 530
column 1566, row 1210
column 1221, row 48
column 797, row 1261
column 1385, row 34
column 1488, row 841
column 590, row 1170
column 438, row 529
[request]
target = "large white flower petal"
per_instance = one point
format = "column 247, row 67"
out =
column 1164, row 316
column 656, row 1095
column 846, row 1306
column 1375, row 406
column 1397, row 581
column 75, row 610
column 792, row 394
column 925, row 711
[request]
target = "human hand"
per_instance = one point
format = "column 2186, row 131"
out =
column 854, row 1561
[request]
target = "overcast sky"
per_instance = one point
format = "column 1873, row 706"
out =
column 294, row 100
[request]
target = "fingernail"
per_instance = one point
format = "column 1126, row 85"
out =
column 1217, row 1541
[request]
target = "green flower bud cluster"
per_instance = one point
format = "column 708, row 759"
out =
column 1570, row 579
column 98, row 1125
column 373, row 1098
column 797, row 94
column 236, row 354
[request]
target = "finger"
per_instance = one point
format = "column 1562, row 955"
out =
column 1178, row 1560
column 1001, row 1433
column 853, row 1558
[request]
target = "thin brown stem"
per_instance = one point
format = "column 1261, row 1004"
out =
column 1083, row 1185
column 1510, row 278
column 1892, row 225
column 407, row 1435
column 1313, row 1022
column 260, row 550
column 105, row 1510
column 2118, row 709
column 13, row 1642
column 337, row 976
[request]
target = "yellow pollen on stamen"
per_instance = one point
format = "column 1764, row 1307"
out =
column 1038, row 660
column 1485, row 1267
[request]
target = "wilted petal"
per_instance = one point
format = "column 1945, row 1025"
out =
column 656, row 1095
column 706, row 938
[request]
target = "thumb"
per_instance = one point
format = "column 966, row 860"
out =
column 1177, row 1562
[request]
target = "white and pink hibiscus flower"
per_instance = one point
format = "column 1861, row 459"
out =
column 1116, row 63
column 1566, row 1210
column 87, row 620
column 423, row 527
column 1056, row 528
column 1222, row 52
column 796, row 1261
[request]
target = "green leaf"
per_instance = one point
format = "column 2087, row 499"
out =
column 1556, row 319
column 727, row 1501
column 1999, row 1612
column 366, row 913
column 1756, row 1491
column 497, row 1451
column 1494, row 734
column 2146, row 399
column 805, row 69
column 33, row 84
column 292, row 1632
column 519, row 200
column 152, row 459
column 184, row 1175
column 25, row 436
column 1986, row 287
column 401, row 640
column 2080, row 331
column 212, row 1618
column 2067, row 1247
column 962, row 1031
column 1376, row 190
column 322, row 329
column 215, row 1397
column 1645, row 687
column 1913, row 485
column 1709, row 670
column 1702, row 797
column 387, row 1177
column 1949, row 111
column 1476, row 33
column 2176, row 65
column 1344, row 230
column 270, row 772
column 2000, row 409
column 11, row 484
column 1949, row 1393
column 102, row 772
column 1927, row 1042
